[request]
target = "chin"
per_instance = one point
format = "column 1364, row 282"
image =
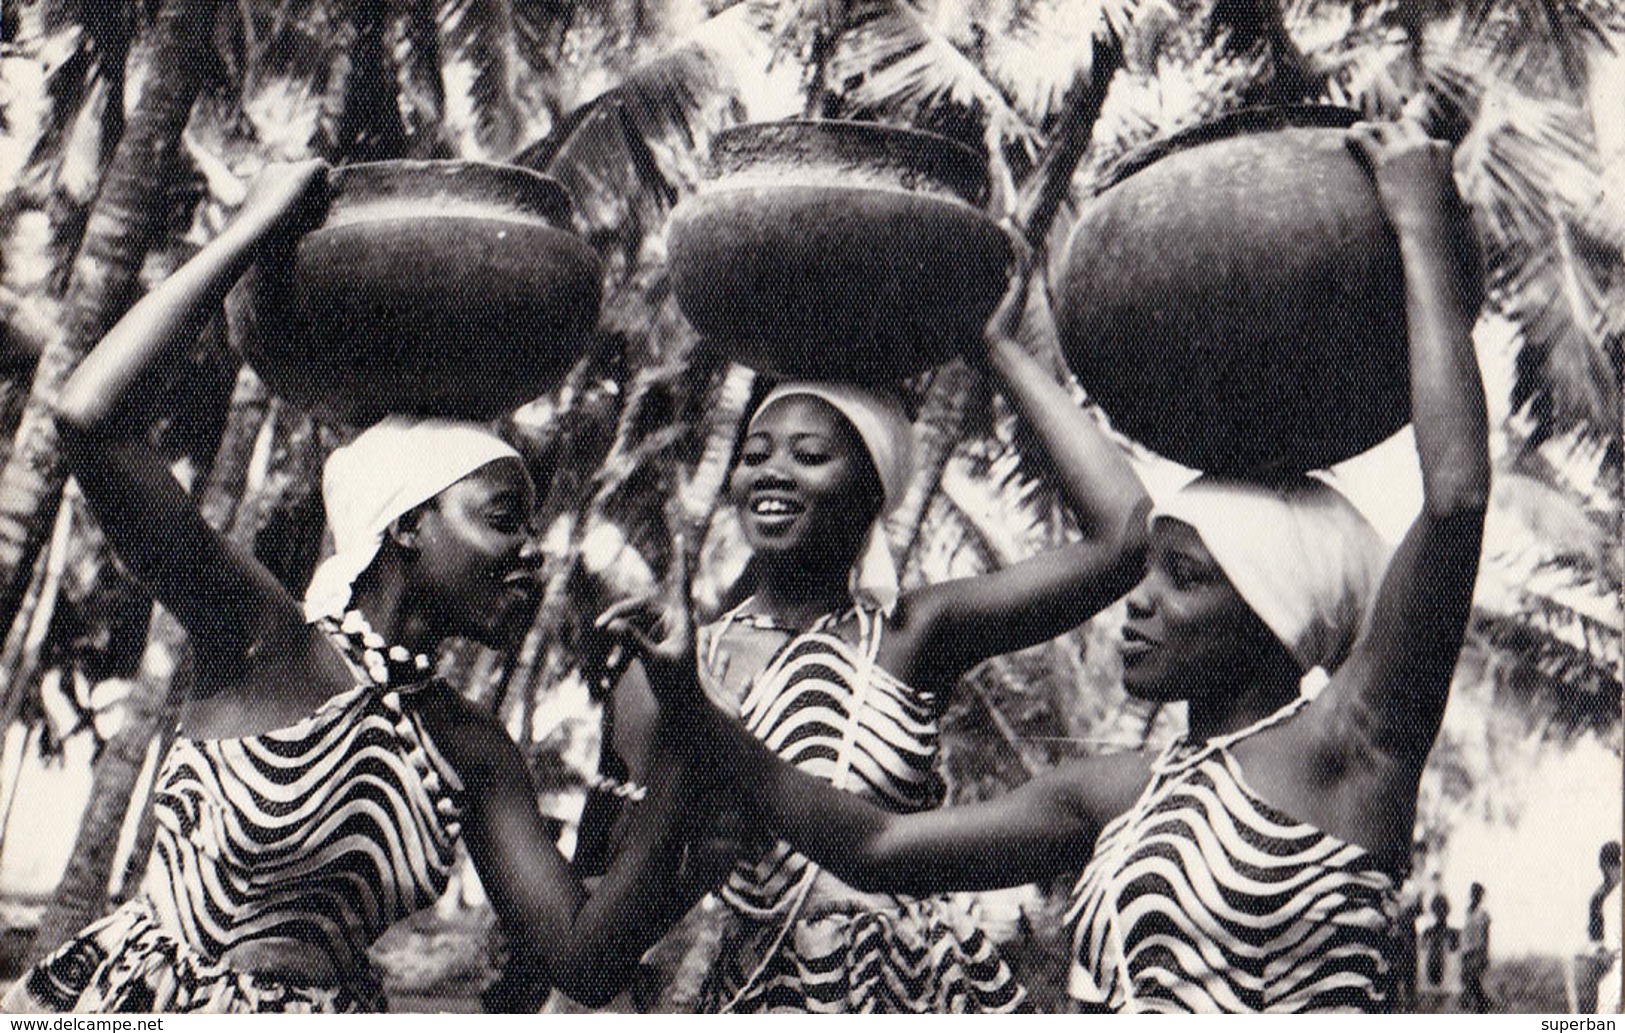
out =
column 1151, row 688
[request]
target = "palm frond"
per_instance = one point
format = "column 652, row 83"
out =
column 891, row 65
column 479, row 62
column 413, row 43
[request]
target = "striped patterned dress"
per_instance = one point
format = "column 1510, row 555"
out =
column 1204, row 898
column 799, row 939
column 314, row 838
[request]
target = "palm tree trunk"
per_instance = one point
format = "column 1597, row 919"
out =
column 128, row 219
column 81, row 896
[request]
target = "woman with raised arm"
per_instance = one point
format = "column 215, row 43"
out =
column 846, row 677
column 322, row 776
column 1250, row 866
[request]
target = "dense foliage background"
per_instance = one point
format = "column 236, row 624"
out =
column 129, row 130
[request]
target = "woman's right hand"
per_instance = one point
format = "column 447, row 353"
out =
column 660, row 630
column 285, row 200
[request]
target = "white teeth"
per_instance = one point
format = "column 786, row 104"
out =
column 773, row 507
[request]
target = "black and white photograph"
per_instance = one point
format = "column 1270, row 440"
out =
column 811, row 506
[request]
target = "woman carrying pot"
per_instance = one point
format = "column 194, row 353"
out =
column 845, row 677
column 322, row 777
column 1250, row 866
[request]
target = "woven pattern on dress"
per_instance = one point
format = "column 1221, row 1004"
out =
column 1204, row 898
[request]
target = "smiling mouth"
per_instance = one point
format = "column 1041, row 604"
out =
column 522, row 587
column 773, row 507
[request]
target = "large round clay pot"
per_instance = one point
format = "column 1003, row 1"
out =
column 844, row 250
column 1235, row 300
column 443, row 288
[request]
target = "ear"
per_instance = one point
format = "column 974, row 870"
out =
column 403, row 530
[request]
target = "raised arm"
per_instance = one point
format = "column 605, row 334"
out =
column 1390, row 695
column 224, row 598
column 1029, row 602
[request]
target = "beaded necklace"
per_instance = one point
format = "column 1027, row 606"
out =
column 389, row 666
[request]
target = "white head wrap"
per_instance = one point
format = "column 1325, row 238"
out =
column 1298, row 552
column 888, row 436
column 388, row 470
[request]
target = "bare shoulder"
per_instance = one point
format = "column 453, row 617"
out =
column 470, row 737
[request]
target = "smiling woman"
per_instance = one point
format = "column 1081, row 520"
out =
column 842, row 674
column 323, row 778
column 1252, row 865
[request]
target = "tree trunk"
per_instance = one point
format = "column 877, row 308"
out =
column 128, row 218
column 81, row 896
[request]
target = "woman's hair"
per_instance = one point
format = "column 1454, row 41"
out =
column 1297, row 552
column 389, row 470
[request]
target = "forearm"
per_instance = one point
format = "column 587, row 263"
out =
column 1447, row 394
column 105, row 394
column 638, row 898
column 833, row 827
column 1091, row 471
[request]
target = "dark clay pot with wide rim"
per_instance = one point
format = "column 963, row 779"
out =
column 842, row 250
column 1235, row 300
column 442, row 288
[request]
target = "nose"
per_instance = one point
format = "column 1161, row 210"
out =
column 771, row 475
column 1140, row 599
column 530, row 550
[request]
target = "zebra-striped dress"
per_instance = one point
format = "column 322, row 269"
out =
column 312, row 838
column 799, row 939
column 1204, row 898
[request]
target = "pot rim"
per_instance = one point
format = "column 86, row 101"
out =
column 1262, row 118
column 503, row 183
column 959, row 167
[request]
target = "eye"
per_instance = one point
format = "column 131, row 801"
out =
column 1185, row 572
column 505, row 519
column 754, row 452
column 812, row 450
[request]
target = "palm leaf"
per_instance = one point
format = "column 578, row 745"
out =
column 891, row 65
column 479, row 63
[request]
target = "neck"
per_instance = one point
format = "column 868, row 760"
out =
column 1242, row 702
column 387, row 607
column 797, row 593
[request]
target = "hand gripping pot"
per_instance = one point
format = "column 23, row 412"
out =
column 839, row 250
column 440, row 288
column 1235, row 301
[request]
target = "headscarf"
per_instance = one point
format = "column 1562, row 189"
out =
column 888, row 436
column 388, row 470
column 1298, row 552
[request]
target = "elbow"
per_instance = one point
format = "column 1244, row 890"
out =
column 79, row 414
column 1128, row 555
column 1458, row 489
column 590, row 982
